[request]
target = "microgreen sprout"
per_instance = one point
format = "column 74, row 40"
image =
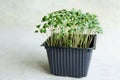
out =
column 70, row 28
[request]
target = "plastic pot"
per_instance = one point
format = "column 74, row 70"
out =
column 66, row 61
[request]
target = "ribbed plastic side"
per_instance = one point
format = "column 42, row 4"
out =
column 71, row 62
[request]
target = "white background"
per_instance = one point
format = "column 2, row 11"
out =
column 22, row 58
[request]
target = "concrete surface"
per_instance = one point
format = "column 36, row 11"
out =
column 22, row 58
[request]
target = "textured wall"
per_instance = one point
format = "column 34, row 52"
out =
column 29, row 12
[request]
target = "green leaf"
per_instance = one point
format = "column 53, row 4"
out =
column 99, row 30
column 43, row 30
column 94, row 16
column 36, row 31
column 45, row 25
column 81, row 28
column 71, row 30
column 69, row 24
column 44, row 18
column 51, row 22
column 55, row 25
column 38, row 26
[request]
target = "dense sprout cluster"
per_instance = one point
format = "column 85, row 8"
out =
column 71, row 25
